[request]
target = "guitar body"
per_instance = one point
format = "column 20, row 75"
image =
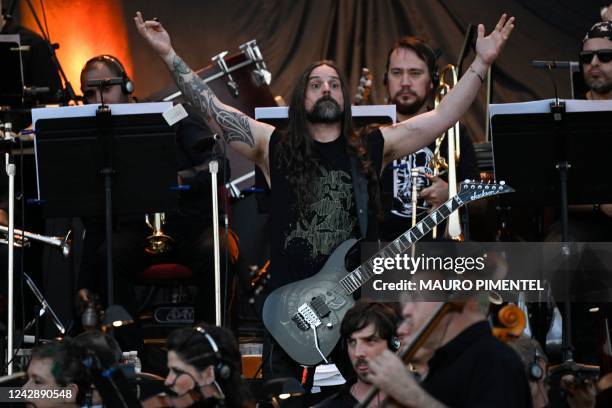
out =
column 304, row 317
column 283, row 303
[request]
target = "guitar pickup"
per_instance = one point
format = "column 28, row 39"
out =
column 320, row 307
column 301, row 323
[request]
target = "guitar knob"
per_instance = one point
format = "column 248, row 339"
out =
column 329, row 325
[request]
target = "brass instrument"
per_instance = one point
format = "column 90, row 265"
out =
column 157, row 243
column 22, row 239
column 438, row 162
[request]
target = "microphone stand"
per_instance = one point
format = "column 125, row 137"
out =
column 214, row 170
column 10, row 171
column 68, row 92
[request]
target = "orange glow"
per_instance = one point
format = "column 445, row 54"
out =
column 83, row 29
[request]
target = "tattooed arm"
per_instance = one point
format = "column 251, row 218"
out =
column 244, row 134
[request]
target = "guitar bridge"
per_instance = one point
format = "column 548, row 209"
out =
column 306, row 318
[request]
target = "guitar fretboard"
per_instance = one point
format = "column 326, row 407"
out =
column 354, row 280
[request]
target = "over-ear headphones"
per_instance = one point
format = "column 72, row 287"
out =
column 222, row 370
column 421, row 48
column 534, row 370
column 127, row 86
column 394, row 343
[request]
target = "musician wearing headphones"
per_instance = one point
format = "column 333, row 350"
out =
column 469, row 367
column 190, row 226
column 411, row 79
column 536, row 368
column 367, row 329
column 205, row 359
column 56, row 366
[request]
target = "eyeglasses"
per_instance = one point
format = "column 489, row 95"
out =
column 602, row 55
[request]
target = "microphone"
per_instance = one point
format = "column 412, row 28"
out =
column 99, row 83
column 36, row 90
column 550, row 64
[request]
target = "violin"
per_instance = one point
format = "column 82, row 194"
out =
column 513, row 322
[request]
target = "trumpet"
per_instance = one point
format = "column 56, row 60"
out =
column 157, row 243
column 438, row 162
column 22, row 239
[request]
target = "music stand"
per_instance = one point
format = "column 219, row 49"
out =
column 107, row 164
column 11, row 70
column 553, row 152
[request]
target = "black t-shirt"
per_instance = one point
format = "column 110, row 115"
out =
column 301, row 242
column 342, row 399
column 477, row 370
column 396, row 184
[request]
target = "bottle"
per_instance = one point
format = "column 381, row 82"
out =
column 136, row 361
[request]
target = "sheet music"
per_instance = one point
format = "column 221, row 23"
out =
column 90, row 110
column 281, row 112
column 63, row 112
column 543, row 106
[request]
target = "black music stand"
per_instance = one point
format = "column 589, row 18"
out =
column 558, row 157
column 106, row 165
column 11, row 71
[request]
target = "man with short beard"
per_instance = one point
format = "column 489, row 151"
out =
column 410, row 82
column 322, row 174
column 367, row 329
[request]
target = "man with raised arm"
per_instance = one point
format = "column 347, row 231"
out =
column 315, row 167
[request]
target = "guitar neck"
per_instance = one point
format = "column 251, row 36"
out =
column 357, row 278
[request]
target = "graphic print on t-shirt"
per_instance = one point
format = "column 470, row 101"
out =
column 402, row 182
column 328, row 221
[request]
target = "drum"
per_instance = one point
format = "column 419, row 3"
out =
column 241, row 80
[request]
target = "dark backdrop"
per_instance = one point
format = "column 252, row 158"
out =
column 358, row 33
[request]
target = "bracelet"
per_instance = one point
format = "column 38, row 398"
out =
column 477, row 74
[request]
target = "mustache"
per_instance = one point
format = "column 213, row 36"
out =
column 404, row 91
column 327, row 98
column 361, row 361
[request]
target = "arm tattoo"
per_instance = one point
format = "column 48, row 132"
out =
column 234, row 125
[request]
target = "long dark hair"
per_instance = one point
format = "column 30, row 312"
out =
column 295, row 152
column 194, row 349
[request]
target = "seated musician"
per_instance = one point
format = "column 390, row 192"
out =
column 56, row 366
column 469, row 367
column 367, row 329
column 190, row 226
column 205, row 360
column 535, row 363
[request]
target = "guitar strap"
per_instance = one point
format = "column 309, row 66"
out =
column 360, row 187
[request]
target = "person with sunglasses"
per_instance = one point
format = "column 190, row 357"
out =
column 596, row 61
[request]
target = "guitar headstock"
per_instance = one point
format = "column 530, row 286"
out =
column 472, row 190
column 362, row 97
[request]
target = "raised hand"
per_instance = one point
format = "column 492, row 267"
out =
column 488, row 48
column 155, row 34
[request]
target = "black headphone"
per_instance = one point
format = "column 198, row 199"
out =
column 222, row 370
column 412, row 43
column 127, row 86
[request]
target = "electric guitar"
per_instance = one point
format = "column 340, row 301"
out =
column 304, row 317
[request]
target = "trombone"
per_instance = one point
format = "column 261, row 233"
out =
column 22, row 239
column 438, row 162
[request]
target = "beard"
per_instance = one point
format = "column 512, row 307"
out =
column 362, row 376
column 598, row 85
column 409, row 108
column 325, row 110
